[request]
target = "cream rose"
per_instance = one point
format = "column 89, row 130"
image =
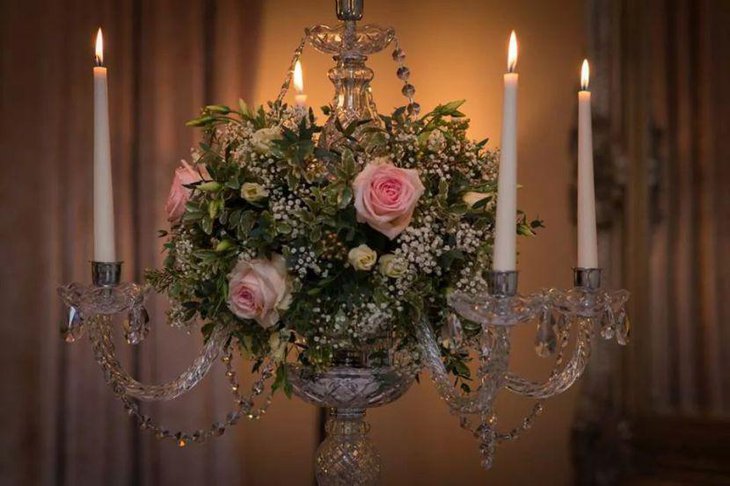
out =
column 362, row 257
column 471, row 198
column 253, row 192
column 385, row 196
column 258, row 289
column 263, row 139
column 392, row 266
column 179, row 194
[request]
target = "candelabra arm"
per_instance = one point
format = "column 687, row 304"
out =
column 494, row 355
column 558, row 381
column 99, row 331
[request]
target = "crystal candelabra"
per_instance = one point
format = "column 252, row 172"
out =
column 363, row 378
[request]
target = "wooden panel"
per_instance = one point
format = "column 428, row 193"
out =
column 671, row 105
column 717, row 105
column 675, row 205
column 681, row 450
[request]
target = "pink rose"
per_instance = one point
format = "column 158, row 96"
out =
column 258, row 289
column 385, row 196
column 179, row 194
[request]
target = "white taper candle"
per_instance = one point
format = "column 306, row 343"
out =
column 587, row 238
column 104, row 250
column 505, row 225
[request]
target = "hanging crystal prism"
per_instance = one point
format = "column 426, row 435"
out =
column 546, row 340
column 74, row 328
column 136, row 327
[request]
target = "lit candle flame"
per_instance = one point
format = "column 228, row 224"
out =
column 99, row 48
column 298, row 78
column 512, row 53
column 585, row 74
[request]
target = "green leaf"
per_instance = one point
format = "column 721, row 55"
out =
column 453, row 105
column 213, row 208
column 315, row 234
column 200, row 122
column 458, row 208
column 206, row 224
column 281, row 381
column 423, row 138
column 459, row 368
column 524, row 230
column 345, row 196
column 449, row 109
column 210, row 186
column 223, row 109
column 481, row 203
column 449, row 257
column 283, row 228
column 207, row 330
column 224, row 245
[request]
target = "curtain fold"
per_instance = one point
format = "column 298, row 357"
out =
column 60, row 422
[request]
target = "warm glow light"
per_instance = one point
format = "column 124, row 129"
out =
column 298, row 78
column 512, row 53
column 99, row 48
column 585, row 74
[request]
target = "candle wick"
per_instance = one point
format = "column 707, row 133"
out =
column 97, row 62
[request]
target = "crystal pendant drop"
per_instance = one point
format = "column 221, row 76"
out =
column 607, row 324
column 546, row 340
column 136, row 327
column 74, row 329
column 623, row 328
column 485, row 435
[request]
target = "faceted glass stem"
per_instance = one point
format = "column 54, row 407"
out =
column 347, row 457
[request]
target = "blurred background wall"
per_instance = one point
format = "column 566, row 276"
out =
column 659, row 123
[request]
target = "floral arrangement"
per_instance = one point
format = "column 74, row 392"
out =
column 306, row 250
